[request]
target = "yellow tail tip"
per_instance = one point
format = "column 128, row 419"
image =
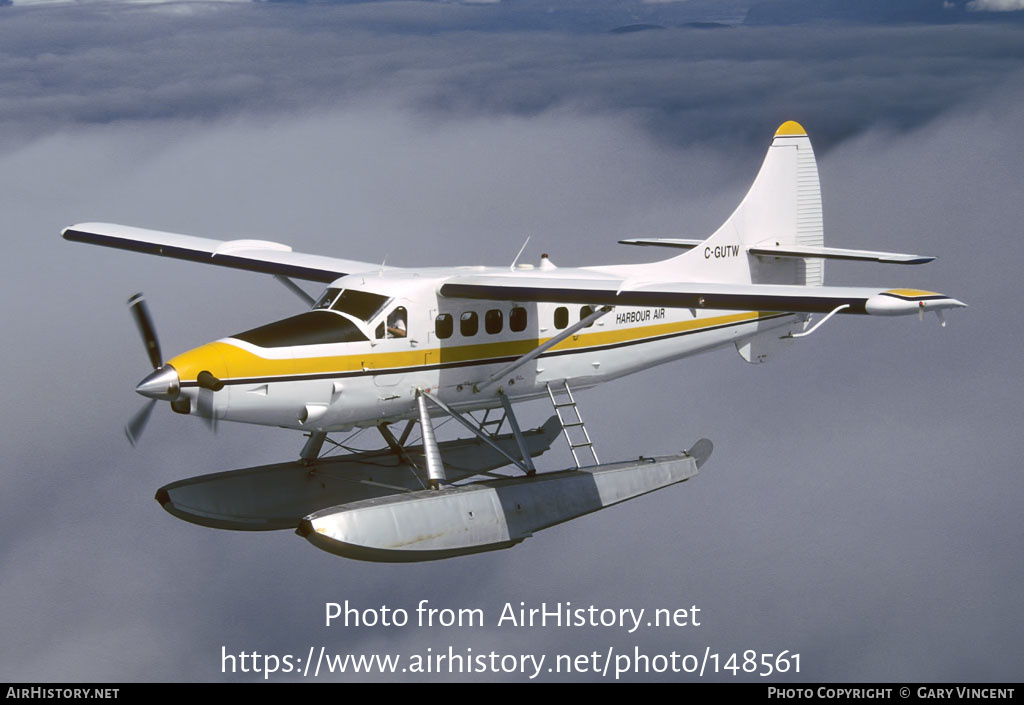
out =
column 791, row 127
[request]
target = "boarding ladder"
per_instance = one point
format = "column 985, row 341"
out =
column 571, row 420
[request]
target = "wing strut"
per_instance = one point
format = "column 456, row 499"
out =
column 295, row 289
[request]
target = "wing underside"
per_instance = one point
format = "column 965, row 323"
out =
column 793, row 251
column 696, row 295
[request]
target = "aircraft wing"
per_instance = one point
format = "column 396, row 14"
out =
column 733, row 297
column 792, row 251
column 252, row 255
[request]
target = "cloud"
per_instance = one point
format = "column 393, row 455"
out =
column 995, row 5
column 792, row 12
column 223, row 61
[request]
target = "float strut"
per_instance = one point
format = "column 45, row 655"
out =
column 405, row 432
column 520, row 441
column 473, row 429
column 435, row 468
column 311, row 451
column 397, row 445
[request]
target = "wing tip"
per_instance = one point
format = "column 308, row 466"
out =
column 70, row 232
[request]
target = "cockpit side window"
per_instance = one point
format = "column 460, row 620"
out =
column 397, row 323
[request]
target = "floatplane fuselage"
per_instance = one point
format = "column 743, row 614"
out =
column 346, row 363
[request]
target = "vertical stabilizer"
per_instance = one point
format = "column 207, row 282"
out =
column 783, row 207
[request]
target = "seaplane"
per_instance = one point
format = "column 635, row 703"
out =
column 385, row 346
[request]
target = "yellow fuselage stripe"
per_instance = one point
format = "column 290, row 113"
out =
column 239, row 363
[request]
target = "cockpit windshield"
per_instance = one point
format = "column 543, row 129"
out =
column 358, row 304
column 309, row 328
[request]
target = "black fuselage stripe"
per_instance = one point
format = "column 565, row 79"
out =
column 481, row 361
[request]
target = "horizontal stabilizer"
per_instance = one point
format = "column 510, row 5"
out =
column 837, row 253
column 677, row 243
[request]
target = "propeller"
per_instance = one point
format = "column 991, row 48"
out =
column 163, row 383
column 140, row 312
column 133, row 429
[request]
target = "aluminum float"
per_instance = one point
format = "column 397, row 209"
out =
column 485, row 516
column 278, row 496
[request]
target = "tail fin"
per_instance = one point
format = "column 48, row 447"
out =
column 783, row 207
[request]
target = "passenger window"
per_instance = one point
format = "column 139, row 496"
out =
column 517, row 319
column 493, row 321
column 444, row 325
column 561, row 317
column 584, row 312
column 469, row 323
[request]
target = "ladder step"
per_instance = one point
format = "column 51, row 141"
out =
column 588, row 445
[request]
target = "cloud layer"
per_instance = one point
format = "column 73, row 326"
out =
column 861, row 505
column 195, row 62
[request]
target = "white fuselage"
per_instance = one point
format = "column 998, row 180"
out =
column 448, row 347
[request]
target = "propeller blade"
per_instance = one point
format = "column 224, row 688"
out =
column 140, row 312
column 134, row 428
